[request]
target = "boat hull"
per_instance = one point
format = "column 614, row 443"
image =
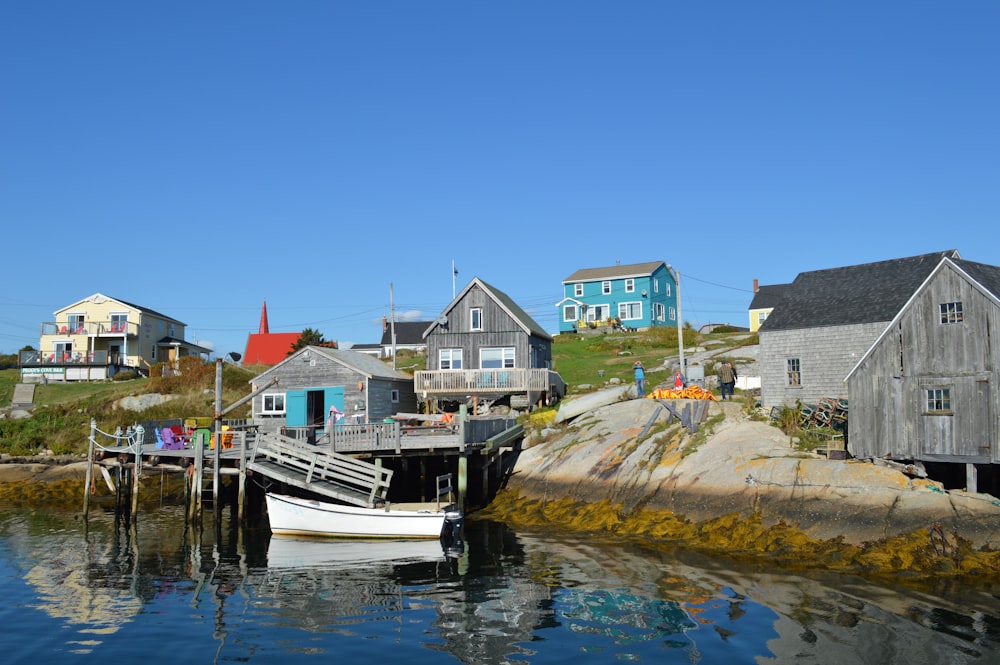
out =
column 294, row 516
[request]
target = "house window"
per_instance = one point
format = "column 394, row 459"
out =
column 659, row 309
column 64, row 351
column 578, row 290
column 629, row 285
column 75, row 324
column 273, row 404
column 605, row 287
column 794, row 372
column 673, row 314
column 394, row 395
column 119, row 323
column 629, row 311
column 656, row 286
column 938, row 400
column 761, row 316
column 500, row 358
column 450, row 359
column 951, row 312
column 476, row 318
column 569, row 313
column 666, row 289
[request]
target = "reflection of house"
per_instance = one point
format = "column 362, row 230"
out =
column 924, row 389
column 484, row 347
column 764, row 300
column 827, row 320
column 640, row 295
column 314, row 379
column 99, row 336
column 265, row 347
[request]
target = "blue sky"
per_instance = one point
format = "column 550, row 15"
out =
column 334, row 158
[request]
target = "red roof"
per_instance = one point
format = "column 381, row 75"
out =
column 269, row 348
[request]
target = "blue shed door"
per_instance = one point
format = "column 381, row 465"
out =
column 333, row 396
column 295, row 408
column 311, row 407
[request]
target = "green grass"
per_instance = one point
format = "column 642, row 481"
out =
column 579, row 359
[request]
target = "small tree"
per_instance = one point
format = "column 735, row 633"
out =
column 309, row 337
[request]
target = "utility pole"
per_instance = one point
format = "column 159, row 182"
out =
column 676, row 274
column 392, row 326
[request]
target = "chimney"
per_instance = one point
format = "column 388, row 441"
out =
column 755, row 286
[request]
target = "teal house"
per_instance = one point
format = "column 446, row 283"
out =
column 633, row 296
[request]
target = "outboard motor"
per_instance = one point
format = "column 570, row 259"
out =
column 451, row 535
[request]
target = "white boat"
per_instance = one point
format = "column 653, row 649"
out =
column 294, row 516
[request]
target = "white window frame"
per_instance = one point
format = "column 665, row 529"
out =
column 659, row 308
column 269, row 404
column 606, row 287
column 506, row 357
column 624, row 308
column 666, row 289
column 951, row 312
column 448, row 357
column 570, row 313
column 794, row 369
column 656, row 286
column 476, row 318
column 672, row 312
column 630, row 285
column 578, row 289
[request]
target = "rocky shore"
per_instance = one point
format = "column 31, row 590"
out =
column 739, row 486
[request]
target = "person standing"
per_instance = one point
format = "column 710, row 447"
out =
column 640, row 378
column 678, row 381
column 727, row 379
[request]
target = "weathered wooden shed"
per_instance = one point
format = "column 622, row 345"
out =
column 826, row 320
column 924, row 389
column 314, row 379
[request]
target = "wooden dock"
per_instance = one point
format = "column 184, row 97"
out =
column 346, row 465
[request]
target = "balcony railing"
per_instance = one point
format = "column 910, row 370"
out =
column 92, row 328
column 36, row 358
column 488, row 381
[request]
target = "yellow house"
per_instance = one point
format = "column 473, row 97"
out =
column 764, row 300
column 97, row 337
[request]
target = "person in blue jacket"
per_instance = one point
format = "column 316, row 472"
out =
column 640, row 378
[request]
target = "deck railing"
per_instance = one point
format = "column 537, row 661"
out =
column 91, row 328
column 487, row 381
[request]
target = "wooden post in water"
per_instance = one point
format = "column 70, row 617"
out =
column 90, row 468
column 463, row 480
column 136, row 469
column 218, row 435
column 194, row 498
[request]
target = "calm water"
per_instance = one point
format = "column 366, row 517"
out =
column 167, row 594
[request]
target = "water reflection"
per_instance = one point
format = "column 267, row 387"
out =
column 503, row 597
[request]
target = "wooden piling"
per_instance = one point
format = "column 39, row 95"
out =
column 90, row 468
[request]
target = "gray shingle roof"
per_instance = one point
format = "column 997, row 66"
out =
column 612, row 272
column 987, row 275
column 407, row 332
column 768, row 296
column 865, row 293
